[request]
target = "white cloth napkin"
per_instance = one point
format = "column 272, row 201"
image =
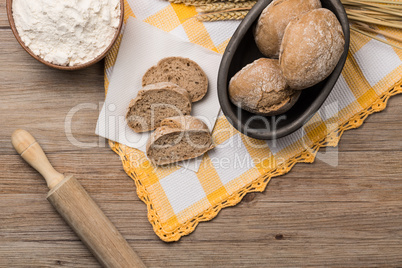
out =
column 142, row 46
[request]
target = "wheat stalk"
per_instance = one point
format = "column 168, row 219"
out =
column 361, row 13
column 354, row 16
column 367, row 5
column 363, row 32
column 202, row 2
column 374, row 12
column 378, row 16
column 222, row 6
column 218, row 16
column 382, row 2
column 377, row 31
column 379, row 12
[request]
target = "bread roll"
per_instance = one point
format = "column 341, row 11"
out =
column 178, row 138
column 311, row 48
column 261, row 88
column 273, row 21
column 156, row 102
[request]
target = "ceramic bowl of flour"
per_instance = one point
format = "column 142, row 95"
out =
column 66, row 35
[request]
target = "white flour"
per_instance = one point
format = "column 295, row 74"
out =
column 66, row 32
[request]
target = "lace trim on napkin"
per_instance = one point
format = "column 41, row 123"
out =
column 258, row 185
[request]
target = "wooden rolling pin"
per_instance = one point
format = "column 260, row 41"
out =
column 77, row 208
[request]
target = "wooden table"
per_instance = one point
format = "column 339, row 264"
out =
column 317, row 215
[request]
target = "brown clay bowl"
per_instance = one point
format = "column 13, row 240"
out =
column 60, row 67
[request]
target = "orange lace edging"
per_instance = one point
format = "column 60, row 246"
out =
column 258, row 185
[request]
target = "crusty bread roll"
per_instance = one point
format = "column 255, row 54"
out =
column 261, row 88
column 311, row 48
column 178, row 138
column 273, row 21
column 156, row 102
column 181, row 71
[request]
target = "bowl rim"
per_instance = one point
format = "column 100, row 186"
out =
column 223, row 81
column 56, row 66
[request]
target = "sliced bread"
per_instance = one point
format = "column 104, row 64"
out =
column 184, row 122
column 181, row 71
column 156, row 102
column 177, row 139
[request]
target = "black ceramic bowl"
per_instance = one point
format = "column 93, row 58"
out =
column 242, row 50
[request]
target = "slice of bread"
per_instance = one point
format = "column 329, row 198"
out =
column 184, row 122
column 156, row 102
column 177, row 139
column 181, row 71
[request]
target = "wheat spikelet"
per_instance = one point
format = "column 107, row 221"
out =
column 193, row 2
column 217, row 16
column 220, row 6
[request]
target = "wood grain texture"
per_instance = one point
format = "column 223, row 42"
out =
column 77, row 208
column 3, row 15
column 91, row 225
column 317, row 215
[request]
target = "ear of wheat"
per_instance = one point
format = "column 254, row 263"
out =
column 365, row 15
column 230, row 14
column 203, row 2
column 224, row 6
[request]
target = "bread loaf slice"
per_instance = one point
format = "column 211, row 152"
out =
column 177, row 139
column 156, row 102
column 184, row 122
column 181, row 71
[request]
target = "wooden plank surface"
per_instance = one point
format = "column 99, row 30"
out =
column 317, row 215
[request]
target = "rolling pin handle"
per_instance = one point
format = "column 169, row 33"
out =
column 26, row 145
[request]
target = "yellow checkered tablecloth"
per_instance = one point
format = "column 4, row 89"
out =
column 178, row 199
